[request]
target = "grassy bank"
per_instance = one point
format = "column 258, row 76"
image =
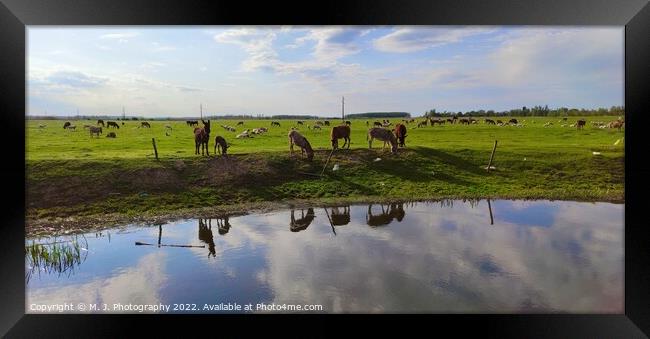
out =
column 74, row 175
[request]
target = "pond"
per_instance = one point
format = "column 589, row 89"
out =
column 457, row 256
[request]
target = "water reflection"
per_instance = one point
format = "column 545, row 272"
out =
column 297, row 225
column 539, row 256
column 386, row 216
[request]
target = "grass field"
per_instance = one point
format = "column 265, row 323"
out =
column 68, row 172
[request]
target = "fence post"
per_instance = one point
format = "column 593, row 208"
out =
column 155, row 150
column 492, row 156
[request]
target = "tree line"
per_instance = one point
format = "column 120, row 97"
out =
column 535, row 111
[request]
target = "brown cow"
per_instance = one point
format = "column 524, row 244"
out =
column 340, row 132
column 384, row 135
column 400, row 132
column 296, row 138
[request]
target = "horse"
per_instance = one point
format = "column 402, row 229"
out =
column 490, row 121
column 299, row 122
column 111, row 135
column 340, row 132
column 67, row 124
column 145, row 124
column 384, row 135
column 326, row 122
column 338, row 217
column 464, row 121
column 513, row 121
column 205, row 235
column 275, row 123
column 202, row 137
column 100, row 122
column 192, row 123
column 221, row 142
column 581, row 123
column 400, row 132
column 390, row 212
column 377, row 124
column 241, row 123
column 296, row 138
column 348, row 122
column 112, row 123
column 95, row 130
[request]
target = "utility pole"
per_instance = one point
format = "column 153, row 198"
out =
column 201, row 111
column 343, row 108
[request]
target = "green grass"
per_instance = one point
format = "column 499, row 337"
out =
column 70, row 173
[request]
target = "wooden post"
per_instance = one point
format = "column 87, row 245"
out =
column 492, row 156
column 155, row 150
column 327, row 162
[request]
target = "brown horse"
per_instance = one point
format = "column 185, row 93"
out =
column 221, row 142
column 581, row 123
column 112, row 123
column 202, row 138
column 384, row 135
column 100, row 122
column 296, row 138
column 95, row 130
column 400, row 132
column 146, row 124
column 340, row 132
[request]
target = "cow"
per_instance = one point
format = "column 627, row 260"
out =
column 400, row 132
column 340, row 132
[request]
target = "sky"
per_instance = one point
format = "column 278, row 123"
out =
column 171, row 71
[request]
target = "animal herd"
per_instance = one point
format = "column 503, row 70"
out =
column 395, row 137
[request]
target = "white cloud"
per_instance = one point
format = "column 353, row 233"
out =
column 404, row 40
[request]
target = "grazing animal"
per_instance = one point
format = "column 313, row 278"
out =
column 499, row 122
column 202, row 138
column 464, row 121
column 67, row 124
column 145, row 124
column 367, row 123
column 384, row 135
column 72, row 127
column 100, row 122
column 422, row 123
column 400, row 132
column 513, row 121
column 112, row 123
column 388, row 213
column 275, row 123
column 617, row 124
column 338, row 217
column 348, row 122
column 317, row 127
column 490, row 121
column 296, row 138
column 192, row 123
column 377, row 124
column 111, row 135
column 300, row 122
column 326, row 122
column 297, row 225
column 319, row 123
column 220, row 145
column 95, row 130
column 241, row 123
column 340, row 132
column 581, row 123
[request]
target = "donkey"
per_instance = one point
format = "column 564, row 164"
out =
column 112, row 123
column 384, row 135
column 222, row 145
column 95, row 130
column 340, row 132
column 296, row 138
column 100, row 122
column 202, row 138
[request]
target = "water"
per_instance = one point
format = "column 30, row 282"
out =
column 441, row 257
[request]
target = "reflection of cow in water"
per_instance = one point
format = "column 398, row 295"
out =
column 304, row 221
column 205, row 235
column 340, row 215
column 388, row 213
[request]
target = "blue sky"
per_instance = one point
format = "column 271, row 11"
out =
column 170, row 71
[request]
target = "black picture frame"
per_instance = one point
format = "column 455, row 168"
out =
column 15, row 15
